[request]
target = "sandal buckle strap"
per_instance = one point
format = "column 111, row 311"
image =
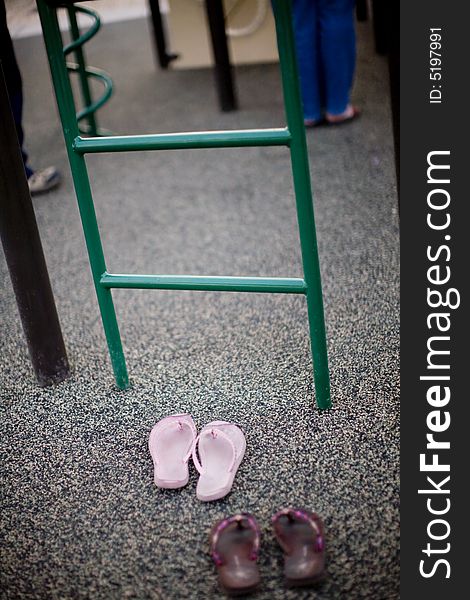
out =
column 319, row 544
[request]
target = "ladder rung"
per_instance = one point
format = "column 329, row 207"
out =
column 284, row 285
column 182, row 141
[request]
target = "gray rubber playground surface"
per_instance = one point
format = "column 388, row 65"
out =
column 80, row 516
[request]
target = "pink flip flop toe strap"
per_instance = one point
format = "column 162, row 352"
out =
column 239, row 518
column 303, row 515
column 214, row 432
column 179, row 424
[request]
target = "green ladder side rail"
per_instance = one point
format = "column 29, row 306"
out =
column 292, row 137
column 84, row 72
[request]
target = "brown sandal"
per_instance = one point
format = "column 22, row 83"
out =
column 234, row 547
column 300, row 534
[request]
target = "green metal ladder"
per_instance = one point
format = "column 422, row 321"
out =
column 293, row 137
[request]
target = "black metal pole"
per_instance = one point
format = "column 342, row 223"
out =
column 164, row 58
column 25, row 258
column 223, row 68
column 380, row 18
column 394, row 67
column 361, row 10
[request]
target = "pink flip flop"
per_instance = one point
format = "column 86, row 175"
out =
column 170, row 444
column 221, row 446
column 234, row 547
column 300, row 533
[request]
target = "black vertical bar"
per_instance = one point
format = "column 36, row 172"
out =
column 25, row 258
column 380, row 17
column 223, row 68
column 394, row 71
column 164, row 58
column 361, row 10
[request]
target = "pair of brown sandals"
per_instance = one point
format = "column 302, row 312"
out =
column 235, row 544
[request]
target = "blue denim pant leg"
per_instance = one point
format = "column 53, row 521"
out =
column 308, row 57
column 326, row 54
column 16, row 103
column 338, row 51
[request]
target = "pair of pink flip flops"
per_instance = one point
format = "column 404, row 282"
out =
column 235, row 546
column 221, row 446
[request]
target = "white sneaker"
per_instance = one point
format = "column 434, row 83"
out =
column 43, row 180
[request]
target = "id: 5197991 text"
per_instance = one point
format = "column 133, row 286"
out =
column 435, row 65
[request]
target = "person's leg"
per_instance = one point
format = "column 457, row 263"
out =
column 44, row 179
column 338, row 53
column 16, row 103
column 306, row 41
column 12, row 80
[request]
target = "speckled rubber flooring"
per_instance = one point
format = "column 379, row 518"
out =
column 80, row 516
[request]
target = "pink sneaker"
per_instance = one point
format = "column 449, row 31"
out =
column 170, row 445
column 221, row 446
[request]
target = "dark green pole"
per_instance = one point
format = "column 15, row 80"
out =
column 80, row 58
column 81, row 182
column 25, row 257
column 303, row 194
